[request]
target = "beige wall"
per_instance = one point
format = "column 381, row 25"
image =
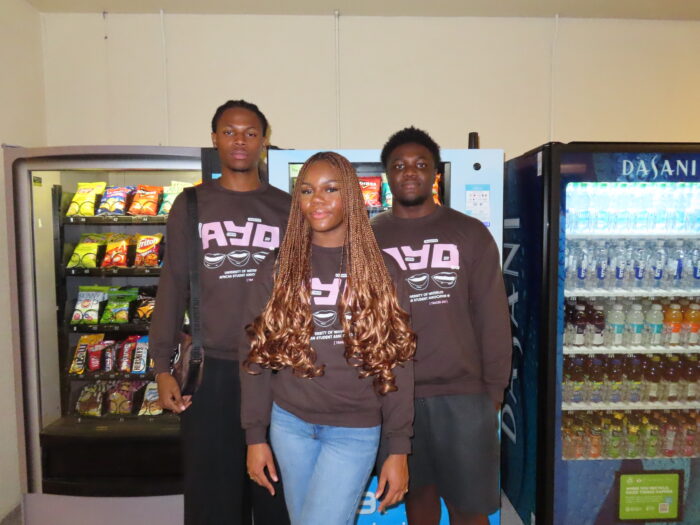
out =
column 518, row 81
column 21, row 122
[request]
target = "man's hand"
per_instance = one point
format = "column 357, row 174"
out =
column 395, row 473
column 169, row 394
column 260, row 457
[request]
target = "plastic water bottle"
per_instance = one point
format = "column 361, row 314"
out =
column 615, row 325
column 659, row 261
column 634, row 321
column 641, row 199
column 692, row 214
column 572, row 208
column 618, row 269
column 584, row 213
column 678, row 204
column 639, row 258
column 599, row 263
column 619, row 203
column 693, row 277
column 581, row 263
column 601, row 200
column 654, row 328
column 676, row 265
column 660, row 206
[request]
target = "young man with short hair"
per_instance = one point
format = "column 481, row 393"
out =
column 463, row 358
column 241, row 219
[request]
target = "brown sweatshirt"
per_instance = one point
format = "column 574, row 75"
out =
column 338, row 397
column 237, row 230
column 459, row 308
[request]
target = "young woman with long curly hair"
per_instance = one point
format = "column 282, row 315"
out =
column 329, row 368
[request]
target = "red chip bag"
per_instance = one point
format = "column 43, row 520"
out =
column 371, row 190
column 146, row 200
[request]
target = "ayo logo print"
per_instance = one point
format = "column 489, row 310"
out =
column 432, row 255
column 326, row 294
column 224, row 234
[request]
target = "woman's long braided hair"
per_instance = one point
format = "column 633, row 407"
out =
column 376, row 332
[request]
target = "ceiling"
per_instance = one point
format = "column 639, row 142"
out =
column 643, row 9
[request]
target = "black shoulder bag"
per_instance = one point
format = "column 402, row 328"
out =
column 188, row 362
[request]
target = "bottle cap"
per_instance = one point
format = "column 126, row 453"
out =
column 582, row 307
column 674, row 306
column 637, row 307
column 658, row 307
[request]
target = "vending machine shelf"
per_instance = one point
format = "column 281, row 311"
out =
column 637, row 292
column 573, row 350
column 116, row 219
column 113, row 272
column 621, row 407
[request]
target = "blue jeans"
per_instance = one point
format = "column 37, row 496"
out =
column 324, row 468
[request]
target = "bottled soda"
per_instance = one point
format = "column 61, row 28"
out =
column 688, row 437
column 634, row 321
column 633, row 378
column 596, row 326
column 650, row 431
column 614, row 446
column 615, row 382
column 594, row 437
column 577, row 379
column 615, row 325
column 633, row 441
column 691, row 325
column 569, row 311
column 690, row 373
column 654, row 322
column 596, row 380
column 580, row 323
column 669, row 436
column 671, row 379
column 673, row 324
column 652, row 379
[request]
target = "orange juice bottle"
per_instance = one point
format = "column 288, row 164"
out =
column 691, row 325
column 673, row 323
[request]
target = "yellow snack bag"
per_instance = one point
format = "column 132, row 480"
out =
column 83, row 203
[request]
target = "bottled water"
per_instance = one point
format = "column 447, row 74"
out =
column 620, row 208
column 678, row 203
column 676, row 260
column 600, row 207
column 599, row 264
column 641, row 204
column 693, row 277
column 581, row 263
column 638, row 261
column 659, row 202
column 692, row 214
column 659, row 261
column 618, row 269
column 634, row 321
column 654, row 325
column 615, row 326
column 583, row 222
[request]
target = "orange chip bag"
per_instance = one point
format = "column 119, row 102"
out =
column 371, row 190
column 146, row 200
column 148, row 249
column 117, row 251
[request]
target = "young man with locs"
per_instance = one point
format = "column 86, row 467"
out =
column 241, row 219
column 459, row 312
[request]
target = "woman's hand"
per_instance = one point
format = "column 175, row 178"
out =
column 259, row 457
column 169, row 394
column 395, row 473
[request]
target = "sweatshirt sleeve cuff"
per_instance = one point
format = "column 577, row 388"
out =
column 255, row 435
column 162, row 365
column 399, row 445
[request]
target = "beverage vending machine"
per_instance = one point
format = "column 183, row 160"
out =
column 602, row 266
column 469, row 180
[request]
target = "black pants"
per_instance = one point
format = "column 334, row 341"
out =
column 216, row 485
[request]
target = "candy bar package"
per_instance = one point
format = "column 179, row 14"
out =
column 126, row 353
column 84, row 200
column 109, row 359
column 146, row 200
column 118, row 303
column 87, row 306
column 80, row 355
column 91, row 400
column 371, row 190
column 117, row 253
column 150, row 405
column 114, row 200
column 148, row 250
column 121, row 397
column 140, row 365
column 95, row 357
column 169, row 194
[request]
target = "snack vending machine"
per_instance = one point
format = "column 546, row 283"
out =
column 85, row 246
column 470, row 181
column 602, row 267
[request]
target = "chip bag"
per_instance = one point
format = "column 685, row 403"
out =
column 85, row 255
column 91, row 400
column 87, row 306
column 169, row 194
column 114, row 200
column 83, row 202
column 121, row 397
column 371, row 190
column 151, row 405
column 148, row 250
column 146, row 200
column 117, row 253
column 118, row 302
